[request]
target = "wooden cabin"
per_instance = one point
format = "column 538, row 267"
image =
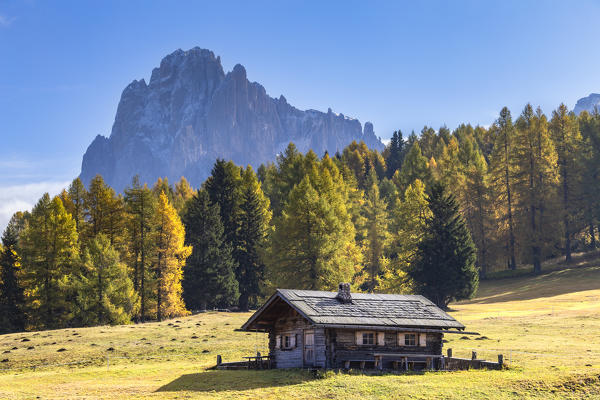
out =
column 316, row 329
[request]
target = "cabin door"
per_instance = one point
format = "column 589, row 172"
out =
column 309, row 348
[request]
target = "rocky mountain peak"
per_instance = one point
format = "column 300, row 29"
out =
column 191, row 113
column 589, row 103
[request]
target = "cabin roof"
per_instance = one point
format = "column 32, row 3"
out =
column 366, row 309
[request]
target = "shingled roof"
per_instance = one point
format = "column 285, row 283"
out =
column 365, row 309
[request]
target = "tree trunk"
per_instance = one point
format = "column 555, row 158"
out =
column 142, row 267
column 243, row 301
column 511, row 234
column 566, row 216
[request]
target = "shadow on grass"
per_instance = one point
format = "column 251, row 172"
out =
column 219, row 381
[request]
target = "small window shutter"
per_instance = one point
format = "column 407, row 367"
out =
column 278, row 341
column 401, row 339
column 293, row 340
column 423, row 339
column 358, row 335
column 380, row 338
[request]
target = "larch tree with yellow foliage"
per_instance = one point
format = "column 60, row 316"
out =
column 169, row 259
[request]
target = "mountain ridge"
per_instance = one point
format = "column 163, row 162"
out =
column 191, row 112
column 588, row 103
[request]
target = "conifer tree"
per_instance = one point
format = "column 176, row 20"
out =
column 395, row 153
column 49, row 255
column 170, row 255
column 502, row 178
column 444, row 266
column 311, row 248
column 254, row 225
column 209, row 277
column 77, row 194
column 140, row 205
column 407, row 228
column 567, row 141
column 223, row 187
column 162, row 186
column 415, row 166
column 12, row 301
column 281, row 178
column 182, row 193
column 104, row 211
column 477, row 210
column 376, row 234
column 535, row 178
column 590, row 130
column 104, row 291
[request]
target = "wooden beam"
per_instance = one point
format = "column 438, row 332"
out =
column 392, row 328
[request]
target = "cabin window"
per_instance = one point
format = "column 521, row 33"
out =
column 410, row 339
column 368, row 338
column 285, row 342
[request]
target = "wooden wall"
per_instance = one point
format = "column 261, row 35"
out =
column 294, row 324
column 342, row 346
column 332, row 347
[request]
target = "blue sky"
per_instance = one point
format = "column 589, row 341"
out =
column 400, row 65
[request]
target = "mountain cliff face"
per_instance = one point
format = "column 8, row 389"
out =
column 588, row 103
column 192, row 113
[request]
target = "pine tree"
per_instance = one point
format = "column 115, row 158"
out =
column 49, row 255
column 223, row 187
column 77, row 194
column 502, row 177
column 535, row 178
column 254, row 225
column 105, row 293
column 568, row 142
column 183, row 192
column 169, row 258
column 395, row 153
column 209, row 278
column 376, row 217
column 12, row 301
column 589, row 125
column 162, row 186
column 407, row 228
column 477, row 197
column 140, row 205
column 415, row 166
column 444, row 266
column 311, row 247
column 104, row 211
column 281, row 179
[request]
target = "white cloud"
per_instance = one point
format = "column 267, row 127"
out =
column 23, row 197
column 6, row 21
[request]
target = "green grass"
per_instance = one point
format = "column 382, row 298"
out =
column 548, row 325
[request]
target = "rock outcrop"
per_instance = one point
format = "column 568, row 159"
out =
column 192, row 112
column 588, row 104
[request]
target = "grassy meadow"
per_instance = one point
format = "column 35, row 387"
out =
column 547, row 326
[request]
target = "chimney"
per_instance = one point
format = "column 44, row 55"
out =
column 344, row 295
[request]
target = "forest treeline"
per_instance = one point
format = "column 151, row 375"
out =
column 430, row 214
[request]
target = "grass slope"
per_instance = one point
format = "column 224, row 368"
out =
column 549, row 326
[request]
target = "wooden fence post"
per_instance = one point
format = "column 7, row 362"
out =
column 219, row 359
column 474, row 355
column 500, row 360
column 449, row 353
